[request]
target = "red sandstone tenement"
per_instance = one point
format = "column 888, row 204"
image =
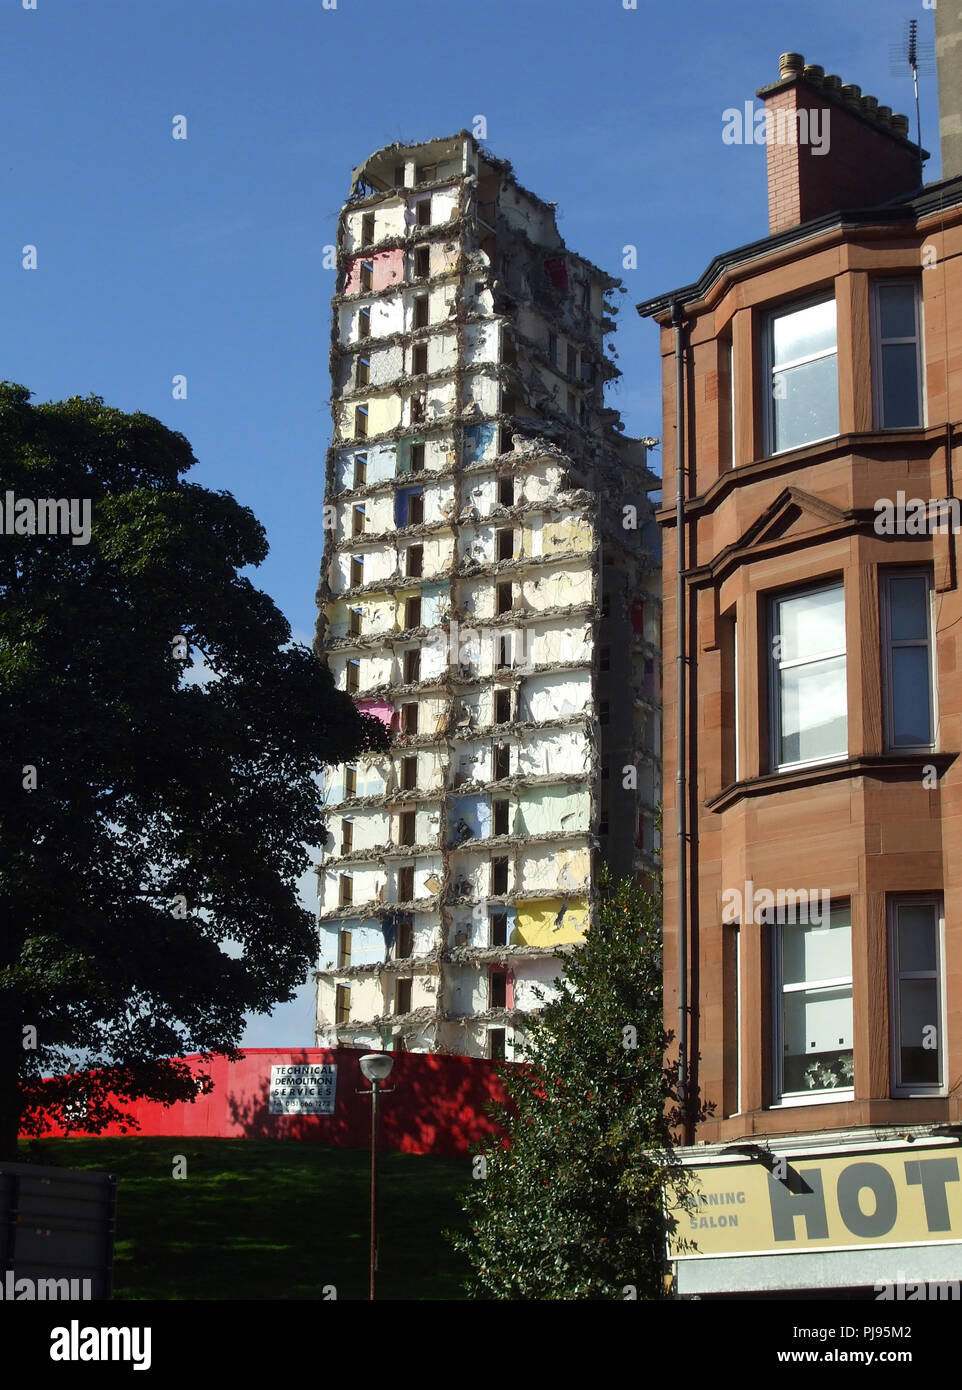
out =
column 821, row 710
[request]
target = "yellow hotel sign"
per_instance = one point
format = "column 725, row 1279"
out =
column 912, row 1196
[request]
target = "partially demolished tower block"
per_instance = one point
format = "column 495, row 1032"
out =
column 490, row 589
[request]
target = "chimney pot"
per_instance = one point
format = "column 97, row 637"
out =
column 870, row 105
column 851, row 93
column 814, row 73
column 790, row 63
column 832, row 83
column 900, row 125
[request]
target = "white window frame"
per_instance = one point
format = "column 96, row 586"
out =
column 776, row 666
column 782, row 1099
column 768, row 359
column 895, row 901
column 887, row 648
column 878, row 342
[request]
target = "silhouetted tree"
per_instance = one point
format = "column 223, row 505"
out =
column 152, row 827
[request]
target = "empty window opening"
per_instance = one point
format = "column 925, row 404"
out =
column 364, row 323
column 424, row 212
column 357, row 520
column 405, row 934
column 409, row 717
column 350, row 782
column 354, row 622
column 408, row 820
column 367, row 275
column 499, row 875
column 412, row 666
column 415, row 561
column 497, row 1046
column 498, row 997
column 418, row 408
column 362, row 371
column 360, row 470
column 419, row 359
column 501, row 762
column 417, row 458
column 360, row 421
column 504, row 597
column 367, row 229
column 505, row 545
column 501, row 818
column 422, row 262
column 405, row 884
column 342, row 1004
column 343, row 950
column 505, row 441
column 502, row 659
column 506, row 492
column 499, row 929
column 412, row 611
column 347, row 836
column 353, row 677
column 409, row 773
column 502, row 706
column 402, row 996
column 346, row 890
column 416, row 509
column 421, row 311
column 357, row 570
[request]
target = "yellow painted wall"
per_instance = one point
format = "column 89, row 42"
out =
column 565, row 535
column 536, row 922
column 383, row 414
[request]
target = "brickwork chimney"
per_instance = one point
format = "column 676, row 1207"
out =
column 830, row 148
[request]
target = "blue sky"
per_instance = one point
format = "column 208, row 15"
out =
column 203, row 257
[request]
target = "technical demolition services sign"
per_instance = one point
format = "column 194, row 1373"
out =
column 303, row 1088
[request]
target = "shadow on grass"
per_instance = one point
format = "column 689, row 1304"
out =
column 271, row 1219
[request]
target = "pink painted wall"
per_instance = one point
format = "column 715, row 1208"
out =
column 388, row 268
column 381, row 709
column 437, row 1105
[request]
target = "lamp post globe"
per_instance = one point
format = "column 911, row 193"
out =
column 376, row 1066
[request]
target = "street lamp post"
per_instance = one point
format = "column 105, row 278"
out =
column 376, row 1068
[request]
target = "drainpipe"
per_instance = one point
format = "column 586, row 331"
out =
column 681, row 809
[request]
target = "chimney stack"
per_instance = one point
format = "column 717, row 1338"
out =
column 829, row 147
